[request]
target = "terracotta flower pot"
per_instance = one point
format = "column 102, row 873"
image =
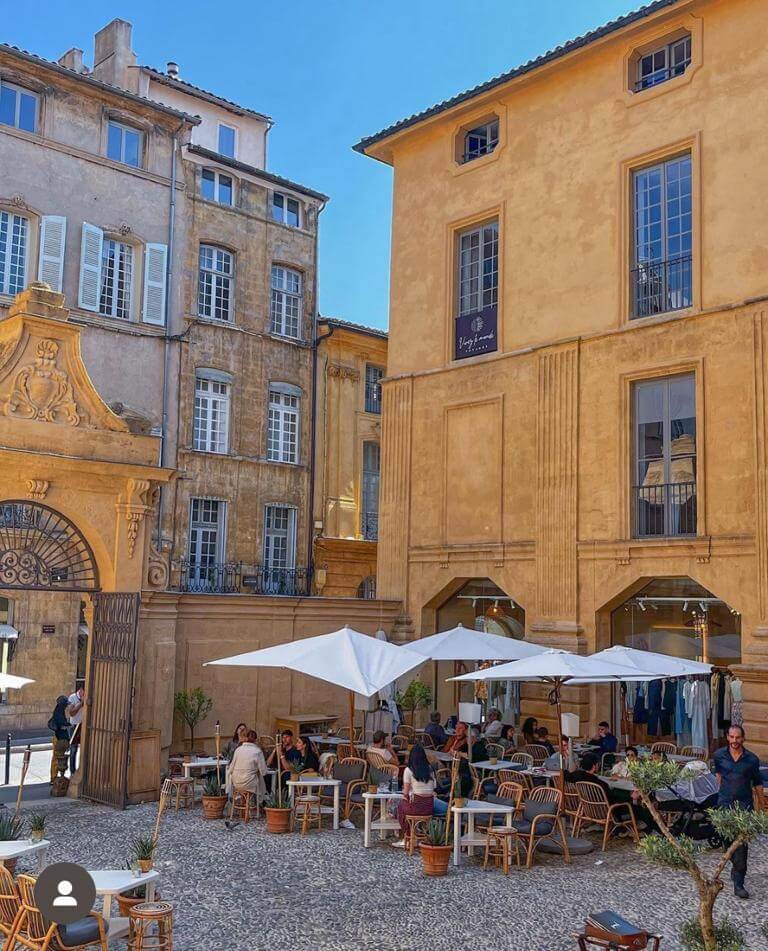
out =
column 460, row 802
column 278, row 820
column 10, row 864
column 36, row 835
column 435, row 859
column 124, row 903
column 145, row 865
column 213, row 806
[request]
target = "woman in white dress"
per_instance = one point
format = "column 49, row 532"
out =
column 248, row 767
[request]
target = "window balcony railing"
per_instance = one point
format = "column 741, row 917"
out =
column 236, row 578
column 659, row 76
column 662, row 286
column 665, row 510
column 370, row 526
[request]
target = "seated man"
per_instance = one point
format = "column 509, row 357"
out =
column 382, row 749
column 493, row 726
column 542, row 739
column 564, row 757
column 289, row 756
column 434, row 729
column 605, row 741
column 587, row 773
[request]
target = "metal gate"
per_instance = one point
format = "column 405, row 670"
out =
column 110, row 697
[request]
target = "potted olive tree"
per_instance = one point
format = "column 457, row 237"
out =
column 192, row 706
column 733, row 826
column 417, row 696
column 436, row 849
column 214, row 799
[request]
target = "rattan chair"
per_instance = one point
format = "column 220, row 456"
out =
column 407, row 731
column 426, row 740
column 571, row 802
column 10, row 903
column 352, row 772
column 182, row 792
column 537, row 752
column 243, row 805
column 400, row 742
column 34, row 932
column 698, row 752
column 523, row 759
column 595, row 809
column 664, row 748
column 343, row 733
column 541, row 819
column 495, row 749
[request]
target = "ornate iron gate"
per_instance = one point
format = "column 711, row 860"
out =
column 110, row 697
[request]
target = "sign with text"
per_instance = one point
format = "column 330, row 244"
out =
column 476, row 333
column 49, row 628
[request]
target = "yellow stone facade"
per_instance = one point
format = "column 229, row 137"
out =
column 517, row 465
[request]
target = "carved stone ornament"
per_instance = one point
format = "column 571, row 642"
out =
column 42, row 391
column 157, row 569
column 137, row 502
column 343, row 372
column 19, row 201
column 37, row 489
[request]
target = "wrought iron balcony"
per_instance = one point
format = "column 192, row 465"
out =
column 370, row 526
column 659, row 76
column 662, row 286
column 668, row 509
column 236, row 578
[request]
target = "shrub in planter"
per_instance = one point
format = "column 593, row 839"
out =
column 11, row 830
column 214, row 799
column 144, row 849
column 135, row 896
column 727, row 936
column 278, row 814
column 435, row 850
column 37, row 826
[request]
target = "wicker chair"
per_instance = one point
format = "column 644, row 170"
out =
column 426, row 740
column 664, row 748
column 541, row 819
column 34, row 932
column 595, row 809
column 345, row 750
column 376, row 761
column 523, row 759
column 407, row 731
column 10, row 904
column 243, row 805
column 537, row 752
column 400, row 742
column 495, row 749
column 698, row 752
column 571, row 802
column 352, row 772
column 343, row 733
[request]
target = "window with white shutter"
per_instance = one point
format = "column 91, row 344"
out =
column 211, row 415
column 283, row 425
column 116, row 279
column 279, row 537
column 53, row 233
column 14, row 243
column 89, row 290
column 286, row 302
column 155, row 267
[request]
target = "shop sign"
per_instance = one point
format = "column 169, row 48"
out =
column 49, row 628
column 476, row 333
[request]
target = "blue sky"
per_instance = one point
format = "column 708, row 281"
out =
column 329, row 72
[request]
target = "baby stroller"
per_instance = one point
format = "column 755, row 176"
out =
column 689, row 806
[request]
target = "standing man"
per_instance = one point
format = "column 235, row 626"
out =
column 75, row 712
column 738, row 774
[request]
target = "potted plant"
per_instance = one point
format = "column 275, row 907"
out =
column 192, row 706
column 278, row 813
column 11, row 829
column 417, row 696
column 135, row 896
column 458, row 800
column 144, row 849
column 435, row 850
column 214, row 799
column 37, row 826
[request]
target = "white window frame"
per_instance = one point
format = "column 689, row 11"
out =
column 282, row 218
column 8, row 220
column 284, row 423
column 289, row 533
column 113, row 308
column 123, row 129
column 471, row 294
column 232, row 128
column 664, row 73
column 218, row 280
column 285, row 299
column 217, row 176
column 492, row 141
column 21, row 90
column 212, row 406
column 373, row 377
column 199, row 525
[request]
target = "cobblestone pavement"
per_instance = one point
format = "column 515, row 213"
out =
column 243, row 889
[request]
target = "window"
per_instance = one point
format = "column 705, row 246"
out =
column 665, row 456
column 283, row 423
column 478, row 269
column 206, row 539
column 18, row 107
column 211, row 416
column 370, row 500
column 227, row 140
column 662, row 64
column 367, row 588
column 373, row 377
column 285, row 209
column 279, row 537
column 14, row 231
column 216, row 187
column 481, row 140
column 286, row 302
column 124, row 144
column 662, row 278
column 116, row 278
column 214, row 295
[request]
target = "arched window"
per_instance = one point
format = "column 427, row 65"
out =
column 367, row 588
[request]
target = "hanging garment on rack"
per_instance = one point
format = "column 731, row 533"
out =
column 737, row 704
column 714, row 687
column 668, row 705
column 700, row 715
column 722, row 722
column 639, row 711
column 727, row 700
column 654, row 706
column 682, row 720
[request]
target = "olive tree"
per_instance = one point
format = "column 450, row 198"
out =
column 192, row 706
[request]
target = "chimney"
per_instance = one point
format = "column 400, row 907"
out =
column 72, row 59
column 113, row 56
column 172, row 69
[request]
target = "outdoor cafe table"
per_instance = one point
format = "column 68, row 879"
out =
column 112, row 882
column 15, row 849
column 203, row 762
column 486, row 764
column 329, row 740
column 439, row 755
column 474, row 807
column 311, row 782
column 383, row 824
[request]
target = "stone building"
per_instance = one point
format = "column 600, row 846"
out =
column 352, row 361
column 574, row 442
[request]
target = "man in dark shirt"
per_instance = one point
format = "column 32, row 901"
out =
column 738, row 774
column 435, row 730
column 587, row 773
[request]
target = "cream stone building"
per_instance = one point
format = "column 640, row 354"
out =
column 574, row 442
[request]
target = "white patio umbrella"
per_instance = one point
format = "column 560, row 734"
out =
column 346, row 658
column 651, row 662
column 10, row 682
column 464, row 643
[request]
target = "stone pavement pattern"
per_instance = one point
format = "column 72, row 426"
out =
column 244, row 890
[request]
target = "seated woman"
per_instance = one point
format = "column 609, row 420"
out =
column 238, row 737
column 248, row 766
column 309, row 758
column 418, row 792
column 529, row 730
column 621, row 768
column 507, row 738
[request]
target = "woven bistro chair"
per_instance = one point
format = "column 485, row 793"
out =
column 498, row 847
column 595, row 809
column 522, row 759
column 352, row 772
column 10, row 903
column 664, row 748
column 34, row 932
column 495, row 749
column 537, row 752
column 508, row 794
column 400, row 742
column 345, row 750
column 426, row 740
column 540, row 820
column 407, row 731
column 697, row 752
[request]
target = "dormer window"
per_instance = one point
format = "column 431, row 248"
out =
column 480, row 140
column 215, row 186
column 285, row 210
column 124, row 144
column 663, row 63
column 18, row 107
column 227, row 140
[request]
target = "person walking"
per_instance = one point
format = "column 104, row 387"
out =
column 59, row 726
column 737, row 770
column 75, row 710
